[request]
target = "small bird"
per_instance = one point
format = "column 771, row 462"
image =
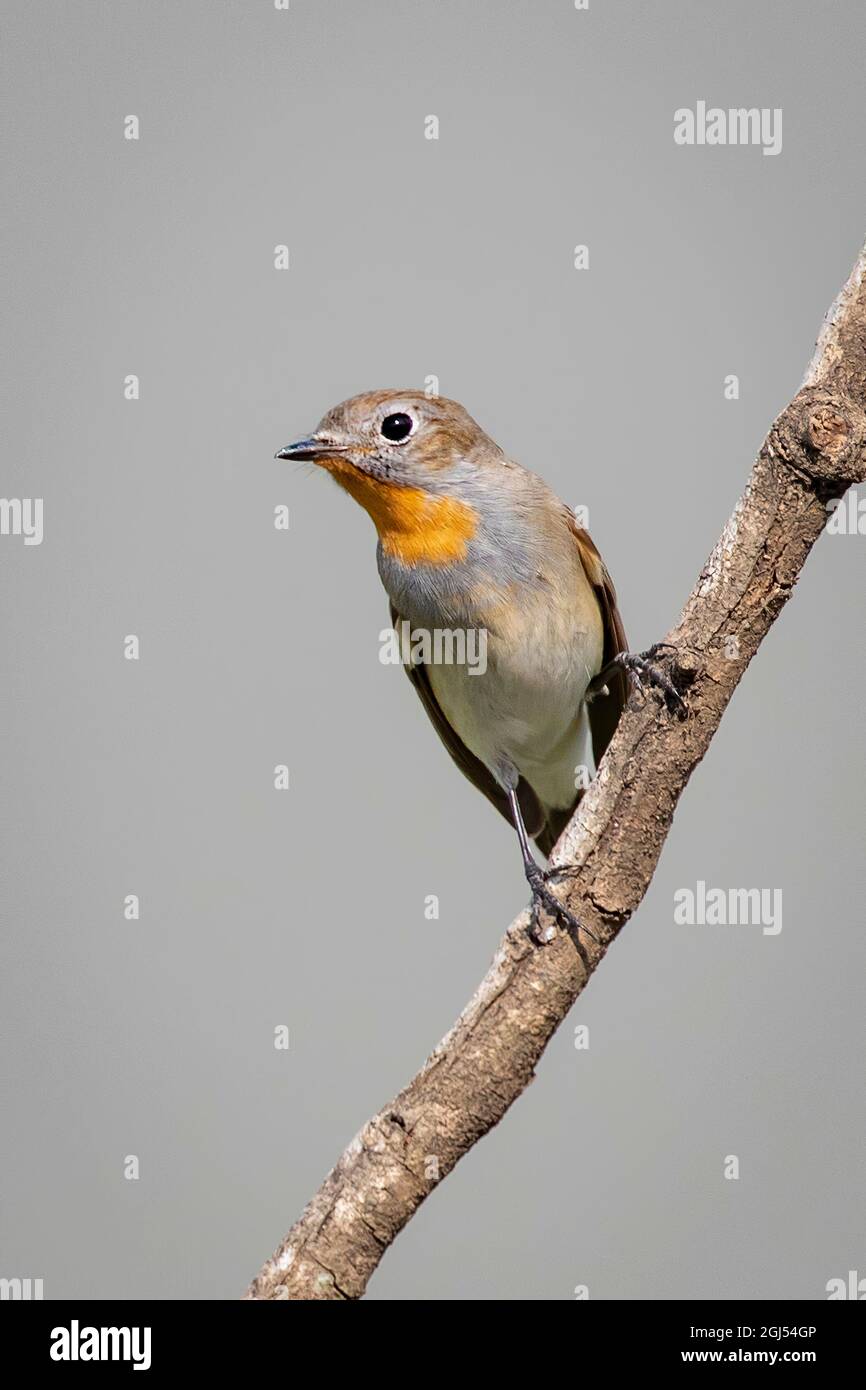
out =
column 471, row 541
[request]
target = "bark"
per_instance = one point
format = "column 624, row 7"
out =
column 814, row 451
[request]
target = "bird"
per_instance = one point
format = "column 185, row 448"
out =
column 470, row 541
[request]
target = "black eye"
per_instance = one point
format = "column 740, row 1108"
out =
column 396, row 427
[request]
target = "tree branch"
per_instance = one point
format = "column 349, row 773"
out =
column 813, row 452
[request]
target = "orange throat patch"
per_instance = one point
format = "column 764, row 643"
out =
column 414, row 527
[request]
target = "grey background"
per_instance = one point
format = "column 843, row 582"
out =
column 409, row 257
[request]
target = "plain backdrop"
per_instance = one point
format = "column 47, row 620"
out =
column 409, row 257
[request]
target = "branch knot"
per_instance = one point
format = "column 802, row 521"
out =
column 821, row 436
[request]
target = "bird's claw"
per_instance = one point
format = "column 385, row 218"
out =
column 643, row 672
column 542, row 896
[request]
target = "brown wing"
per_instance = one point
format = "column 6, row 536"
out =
column 473, row 768
column 604, row 710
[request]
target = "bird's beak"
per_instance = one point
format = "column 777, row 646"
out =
column 313, row 447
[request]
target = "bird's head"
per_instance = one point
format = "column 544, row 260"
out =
column 407, row 459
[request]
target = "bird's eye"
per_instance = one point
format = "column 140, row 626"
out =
column 396, row 427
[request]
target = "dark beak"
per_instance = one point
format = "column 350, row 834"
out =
column 302, row 449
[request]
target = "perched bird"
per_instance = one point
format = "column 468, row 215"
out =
column 469, row 540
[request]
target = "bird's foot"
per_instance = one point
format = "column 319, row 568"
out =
column 642, row 671
column 542, row 897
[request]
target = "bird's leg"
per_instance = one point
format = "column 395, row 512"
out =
column 537, row 880
column 641, row 670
